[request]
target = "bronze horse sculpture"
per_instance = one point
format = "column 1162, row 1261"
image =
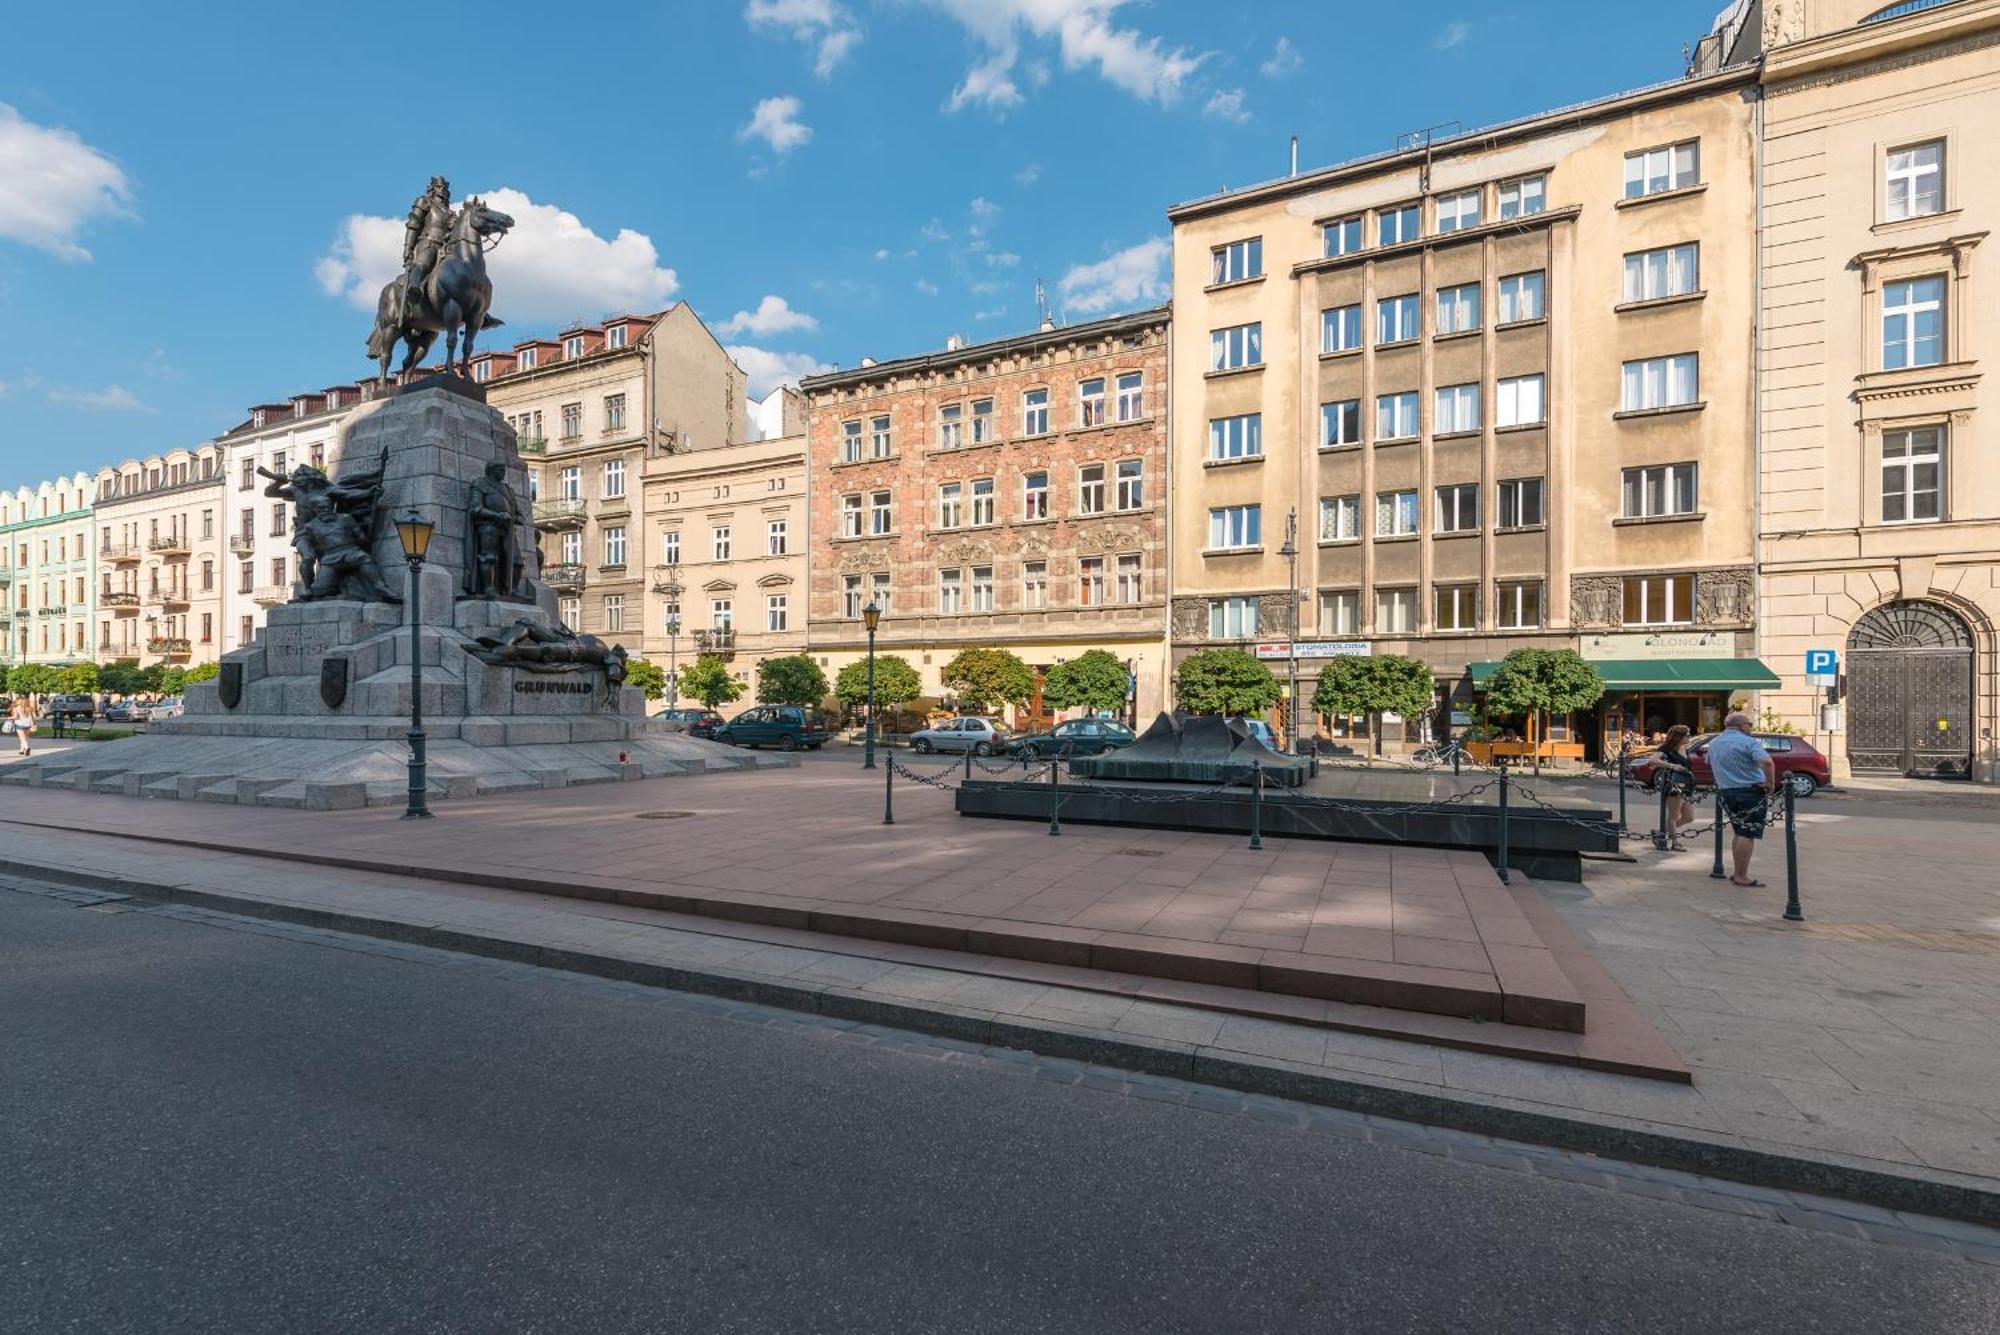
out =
column 455, row 298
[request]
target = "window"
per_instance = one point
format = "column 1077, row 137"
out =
column 570, row 611
column 207, row 577
column 1340, row 613
column 1665, row 490
column 1518, row 401
column 1237, row 261
column 1458, row 309
column 572, row 548
column 1520, row 503
column 1090, row 489
column 951, row 591
column 721, row 613
column 850, row 517
column 1456, row 409
column 1661, row 382
column 982, row 422
column 614, row 336
column 573, row 347
column 982, row 500
column 1912, row 323
column 1457, row 212
column 879, row 444
column 722, row 543
column 277, row 570
column 1395, row 416
column 1914, row 181
column 1129, row 578
column 1034, row 495
column 1397, row 225
column 278, row 521
column 1339, row 518
column 1912, row 475
column 1395, row 514
column 850, row 597
column 850, row 442
column 1090, row 581
column 879, row 514
column 249, row 481
column 1518, row 605
column 1658, row 169
column 1238, row 346
column 614, row 479
column 1659, row 600
column 1035, row 413
column 1671, row 271
column 1131, row 484
column 1522, row 197
column 879, row 590
column 1340, row 423
column 1395, row 611
column 951, row 426
column 1131, row 396
column 951, row 506
column 246, row 577
column 572, row 420
column 1398, row 319
column 670, row 547
column 1455, row 607
column 777, row 537
column 614, row 412
column 1035, row 584
column 614, row 545
column 1457, row 508
column 1341, row 238
column 1090, row 402
column 1235, row 526
column 614, row 611
column 1232, row 618
column 777, row 611
column 1521, row 297
column 570, row 484
column 982, row 588
column 1340, row 329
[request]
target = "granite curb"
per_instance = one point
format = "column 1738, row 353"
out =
column 1599, row 1134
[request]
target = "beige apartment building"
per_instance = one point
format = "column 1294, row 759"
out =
column 1503, row 381
column 47, row 574
column 160, row 557
column 1008, row 494
column 590, row 408
column 1880, row 497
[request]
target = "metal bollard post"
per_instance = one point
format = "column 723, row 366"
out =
column 1660, row 833
column 1055, row 796
column 1502, row 863
column 968, row 764
column 1624, row 749
column 1716, row 872
column 1256, row 805
column 889, row 790
column 1793, row 913
column 1457, row 751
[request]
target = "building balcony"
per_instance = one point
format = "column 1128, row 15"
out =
column 270, row 595
column 169, row 597
column 564, row 578
column 169, row 544
column 555, row 515
column 168, row 646
column 123, row 599
column 721, row 642
column 532, row 445
column 119, row 551
column 6, row 576
column 243, row 544
column 56, row 610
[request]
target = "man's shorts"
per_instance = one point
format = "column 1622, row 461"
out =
column 1747, row 809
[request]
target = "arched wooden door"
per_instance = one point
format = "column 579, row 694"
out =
column 1909, row 692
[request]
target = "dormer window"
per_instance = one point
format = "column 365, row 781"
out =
column 614, row 336
column 333, row 398
column 527, row 359
column 573, row 347
column 298, row 407
column 256, row 417
column 481, row 370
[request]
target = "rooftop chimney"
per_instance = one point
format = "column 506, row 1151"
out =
column 1295, row 155
column 867, row 361
column 954, row 342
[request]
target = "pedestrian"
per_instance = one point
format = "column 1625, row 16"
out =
column 1745, row 778
column 22, row 716
column 1677, row 781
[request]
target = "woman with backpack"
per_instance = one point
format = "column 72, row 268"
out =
column 23, row 720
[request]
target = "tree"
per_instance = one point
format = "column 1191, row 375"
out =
column 793, row 680
column 1092, row 680
column 173, row 680
column 201, row 672
column 31, row 679
column 707, row 679
column 1373, row 685
column 1225, row 681
column 895, row 683
column 77, row 678
column 1542, row 682
column 648, row 677
column 983, row 678
column 121, row 678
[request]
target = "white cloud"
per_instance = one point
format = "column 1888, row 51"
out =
column 110, row 399
column 993, row 314
column 774, row 315
column 1133, row 275
column 52, row 184
column 883, row 253
column 1285, row 59
column 1227, row 105
column 927, row 287
column 157, row 367
column 824, row 25
column 1454, row 32
column 776, row 121
column 1086, row 37
column 1003, row 259
column 934, row 231
column 982, row 207
column 549, row 267
column 768, row 370
column 1028, row 175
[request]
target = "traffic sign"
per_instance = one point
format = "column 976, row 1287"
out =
column 1822, row 662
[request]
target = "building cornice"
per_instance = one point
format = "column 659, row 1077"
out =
column 1875, row 48
column 1499, row 227
column 1150, row 318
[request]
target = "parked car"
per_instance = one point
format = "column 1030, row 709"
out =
column 1260, row 730
column 1078, row 737
column 171, row 707
column 695, row 722
column 1800, row 764
column 78, row 706
column 127, row 711
column 787, row 727
column 980, row 736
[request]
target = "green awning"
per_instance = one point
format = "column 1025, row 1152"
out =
column 1667, row 674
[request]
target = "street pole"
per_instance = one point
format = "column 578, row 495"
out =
column 872, row 615
column 1290, row 551
column 415, row 534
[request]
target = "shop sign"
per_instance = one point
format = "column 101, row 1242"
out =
column 1318, row 649
column 1663, row 645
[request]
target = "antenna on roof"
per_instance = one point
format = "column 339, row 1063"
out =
column 1044, row 320
column 1295, row 155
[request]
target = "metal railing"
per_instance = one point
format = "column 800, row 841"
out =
column 559, row 514
column 168, row 544
column 567, row 576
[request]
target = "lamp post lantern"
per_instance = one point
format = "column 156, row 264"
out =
column 1290, row 551
column 667, row 583
column 872, row 614
column 414, row 532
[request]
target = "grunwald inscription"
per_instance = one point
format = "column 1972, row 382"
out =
column 553, row 687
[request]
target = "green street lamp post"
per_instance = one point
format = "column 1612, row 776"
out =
column 872, row 614
column 414, row 531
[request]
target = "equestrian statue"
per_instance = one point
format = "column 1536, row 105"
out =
column 443, row 287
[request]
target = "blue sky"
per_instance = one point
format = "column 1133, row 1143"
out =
column 192, row 196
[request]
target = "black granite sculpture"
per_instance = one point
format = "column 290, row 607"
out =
column 318, row 503
column 493, row 564
column 534, row 648
column 1194, row 748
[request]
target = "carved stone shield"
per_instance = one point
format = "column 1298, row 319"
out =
column 333, row 682
column 229, row 685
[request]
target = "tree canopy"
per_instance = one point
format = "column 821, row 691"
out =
column 1095, row 679
column 1225, row 681
column 121, row 678
column 983, row 678
column 77, row 678
column 650, row 678
column 707, row 679
column 793, row 680
column 31, row 679
column 895, row 682
column 1543, row 681
column 1373, row 685
column 201, row 672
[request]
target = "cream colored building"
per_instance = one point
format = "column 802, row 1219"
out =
column 1880, row 498
column 1504, row 382
column 160, row 556
column 47, row 572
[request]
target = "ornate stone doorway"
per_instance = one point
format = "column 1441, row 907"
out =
column 1910, row 692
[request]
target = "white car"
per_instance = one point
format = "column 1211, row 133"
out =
column 977, row 735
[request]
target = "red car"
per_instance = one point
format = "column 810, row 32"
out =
column 1799, row 763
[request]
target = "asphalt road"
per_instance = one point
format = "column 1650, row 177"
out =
column 214, row 1124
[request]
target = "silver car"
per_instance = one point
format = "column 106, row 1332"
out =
column 977, row 735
